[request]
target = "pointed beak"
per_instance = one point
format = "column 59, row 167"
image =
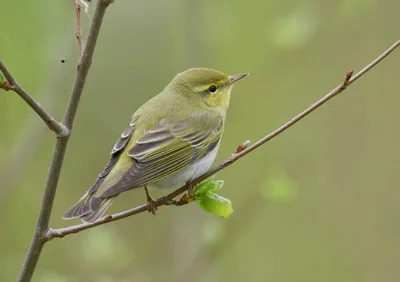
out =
column 234, row 78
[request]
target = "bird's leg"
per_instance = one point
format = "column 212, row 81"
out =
column 189, row 187
column 151, row 204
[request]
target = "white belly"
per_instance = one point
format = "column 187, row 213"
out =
column 193, row 171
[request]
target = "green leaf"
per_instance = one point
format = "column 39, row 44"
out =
column 217, row 186
column 204, row 187
column 209, row 201
column 215, row 204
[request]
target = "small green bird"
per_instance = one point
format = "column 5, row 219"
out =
column 171, row 139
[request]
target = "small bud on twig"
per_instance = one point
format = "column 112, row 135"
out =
column 242, row 147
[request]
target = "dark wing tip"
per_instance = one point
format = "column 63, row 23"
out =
column 101, row 206
column 82, row 207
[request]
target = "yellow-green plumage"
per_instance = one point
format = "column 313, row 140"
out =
column 170, row 140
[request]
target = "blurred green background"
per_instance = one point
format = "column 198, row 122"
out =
column 318, row 203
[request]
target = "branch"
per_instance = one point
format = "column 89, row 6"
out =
column 77, row 8
column 168, row 200
column 12, row 84
column 31, row 138
column 41, row 229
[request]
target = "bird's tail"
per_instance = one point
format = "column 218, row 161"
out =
column 88, row 208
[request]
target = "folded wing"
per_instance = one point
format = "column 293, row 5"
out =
column 164, row 150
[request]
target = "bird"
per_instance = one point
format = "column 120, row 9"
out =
column 171, row 139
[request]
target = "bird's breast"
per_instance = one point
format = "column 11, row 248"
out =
column 194, row 170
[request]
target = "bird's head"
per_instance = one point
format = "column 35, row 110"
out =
column 208, row 87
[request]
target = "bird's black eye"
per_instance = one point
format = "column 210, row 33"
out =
column 212, row 88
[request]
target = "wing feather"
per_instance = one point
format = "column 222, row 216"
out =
column 115, row 154
column 163, row 151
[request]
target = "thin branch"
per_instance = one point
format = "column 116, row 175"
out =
column 41, row 229
column 51, row 123
column 32, row 136
column 167, row 200
column 77, row 8
column 209, row 253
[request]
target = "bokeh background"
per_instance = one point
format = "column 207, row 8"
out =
column 318, row 203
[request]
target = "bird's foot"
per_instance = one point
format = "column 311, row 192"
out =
column 190, row 189
column 151, row 204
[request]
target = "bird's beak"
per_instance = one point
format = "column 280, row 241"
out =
column 234, row 78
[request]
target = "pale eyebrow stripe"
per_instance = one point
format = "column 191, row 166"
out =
column 220, row 84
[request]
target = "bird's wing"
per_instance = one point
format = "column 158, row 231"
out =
column 165, row 149
column 88, row 203
column 115, row 154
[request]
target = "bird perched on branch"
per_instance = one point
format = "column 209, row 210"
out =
column 172, row 139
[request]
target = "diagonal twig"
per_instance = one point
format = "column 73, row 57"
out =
column 13, row 85
column 31, row 138
column 166, row 200
column 211, row 252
